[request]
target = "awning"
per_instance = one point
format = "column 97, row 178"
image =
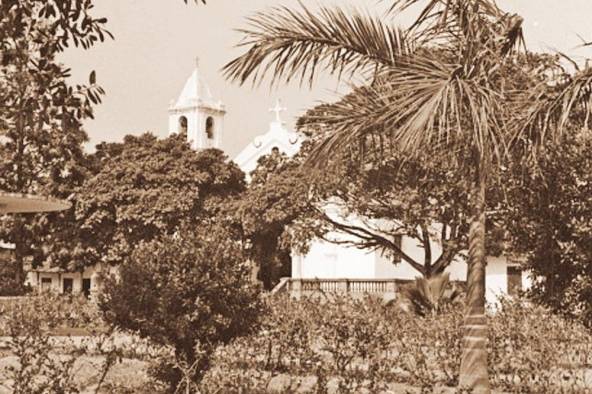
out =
column 22, row 203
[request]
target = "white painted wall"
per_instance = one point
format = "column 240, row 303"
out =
column 34, row 279
column 326, row 260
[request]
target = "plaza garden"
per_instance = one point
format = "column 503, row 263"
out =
column 454, row 135
column 339, row 345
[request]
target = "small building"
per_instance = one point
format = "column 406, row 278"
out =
column 61, row 281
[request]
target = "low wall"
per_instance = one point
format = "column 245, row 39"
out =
column 357, row 288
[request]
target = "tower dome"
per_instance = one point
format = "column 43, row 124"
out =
column 197, row 114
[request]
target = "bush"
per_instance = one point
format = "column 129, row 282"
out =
column 9, row 285
column 429, row 295
column 42, row 362
column 364, row 346
column 190, row 293
column 534, row 350
column 55, row 312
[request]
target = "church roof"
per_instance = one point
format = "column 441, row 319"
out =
column 196, row 92
column 277, row 135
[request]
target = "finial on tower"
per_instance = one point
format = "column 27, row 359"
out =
column 197, row 62
column 278, row 109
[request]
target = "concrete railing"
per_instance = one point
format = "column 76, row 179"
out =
column 297, row 287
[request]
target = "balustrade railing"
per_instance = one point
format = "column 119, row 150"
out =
column 307, row 286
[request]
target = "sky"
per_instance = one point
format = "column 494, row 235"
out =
column 156, row 43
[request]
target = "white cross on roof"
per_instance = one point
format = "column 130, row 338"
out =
column 278, row 109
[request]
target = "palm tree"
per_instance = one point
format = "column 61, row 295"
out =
column 440, row 86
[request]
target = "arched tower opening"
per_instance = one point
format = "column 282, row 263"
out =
column 196, row 114
column 210, row 128
column 182, row 125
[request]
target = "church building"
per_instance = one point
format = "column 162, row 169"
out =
column 327, row 266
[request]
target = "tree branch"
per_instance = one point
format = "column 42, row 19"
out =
column 371, row 238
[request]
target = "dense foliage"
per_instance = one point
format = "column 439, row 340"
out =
column 141, row 189
column 353, row 346
column 53, row 313
column 550, row 219
column 190, row 292
column 41, row 114
column 276, row 197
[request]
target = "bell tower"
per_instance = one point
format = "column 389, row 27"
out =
column 197, row 114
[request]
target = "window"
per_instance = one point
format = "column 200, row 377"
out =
column 210, row 127
column 183, row 125
column 68, row 285
column 45, row 283
column 86, row 287
column 514, row 280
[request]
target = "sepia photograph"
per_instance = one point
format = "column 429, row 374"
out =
column 295, row 196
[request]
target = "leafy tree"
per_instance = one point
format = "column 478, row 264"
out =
column 41, row 116
column 276, row 197
column 422, row 200
column 190, row 292
column 440, row 87
column 284, row 209
column 140, row 190
column 549, row 215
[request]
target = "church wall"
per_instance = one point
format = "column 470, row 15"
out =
column 326, row 260
column 496, row 278
column 331, row 261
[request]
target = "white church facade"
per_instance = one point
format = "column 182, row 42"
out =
column 327, row 266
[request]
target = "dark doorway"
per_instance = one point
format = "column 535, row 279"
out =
column 514, row 280
column 86, row 287
column 68, row 285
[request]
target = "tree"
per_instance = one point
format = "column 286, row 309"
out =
column 549, row 217
column 140, row 190
column 441, row 87
column 41, row 116
column 275, row 199
column 422, row 200
column 190, row 292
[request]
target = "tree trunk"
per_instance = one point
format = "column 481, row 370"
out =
column 473, row 368
column 19, row 260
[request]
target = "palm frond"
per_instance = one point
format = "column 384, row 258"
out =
column 465, row 21
column 421, row 104
column 552, row 107
column 440, row 16
column 297, row 43
column 443, row 11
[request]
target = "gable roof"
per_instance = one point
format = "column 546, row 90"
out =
column 277, row 136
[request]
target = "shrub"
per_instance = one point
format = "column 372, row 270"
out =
column 9, row 285
column 429, row 295
column 537, row 351
column 189, row 292
column 45, row 364
column 345, row 346
column 54, row 312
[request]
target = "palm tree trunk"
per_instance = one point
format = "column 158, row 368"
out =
column 473, row 368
